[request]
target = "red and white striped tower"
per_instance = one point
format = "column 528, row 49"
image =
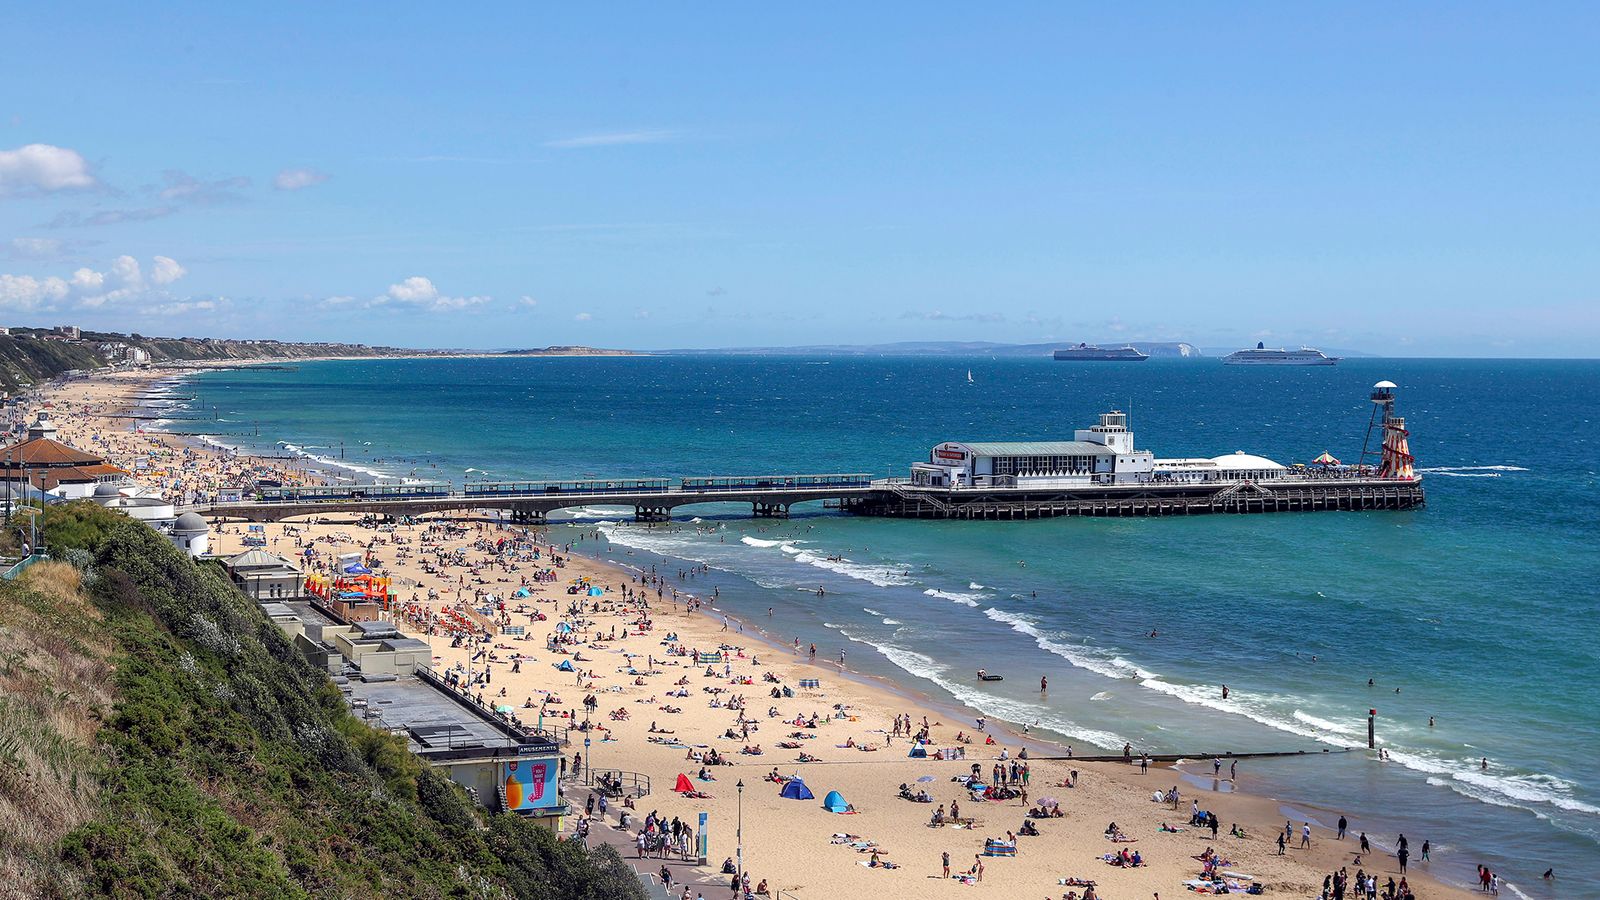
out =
column 1395, row 460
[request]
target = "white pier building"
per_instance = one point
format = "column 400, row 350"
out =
column 1103, row 454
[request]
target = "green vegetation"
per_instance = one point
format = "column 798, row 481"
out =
column 160, row 737
column 31, row 355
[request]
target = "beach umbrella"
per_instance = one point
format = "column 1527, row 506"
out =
column 1326, row 459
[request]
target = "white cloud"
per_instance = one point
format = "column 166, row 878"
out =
column 295, row 179
column 183, row 188
column 165, row 270
column 122, row 281
column 87, row 280
column 613, row 139
column 43, row 169
column 582, row 317
column 415, row 289
column 24, row 292
column 528, row 301
column 35, row 248
column 421, row 293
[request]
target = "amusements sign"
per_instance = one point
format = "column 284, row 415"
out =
column 530, row 784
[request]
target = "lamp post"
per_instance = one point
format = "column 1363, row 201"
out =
column 738, row 836
column 588, row 763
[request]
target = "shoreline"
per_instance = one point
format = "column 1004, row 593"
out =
column 1113, row 783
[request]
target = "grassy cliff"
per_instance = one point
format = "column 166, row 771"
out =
column 159, row 737
column 28, row 357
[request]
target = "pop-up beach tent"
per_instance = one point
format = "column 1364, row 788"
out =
column 797, row 790
column 834, row 802
column 563, row 628
column 565, row 665
column 684, row 785
column 918, row 752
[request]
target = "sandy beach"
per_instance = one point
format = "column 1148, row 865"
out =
column 636, row 649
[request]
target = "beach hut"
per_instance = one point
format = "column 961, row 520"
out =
column 684, row 785
column 565, row 665
column 797, row 790
column 834, row 803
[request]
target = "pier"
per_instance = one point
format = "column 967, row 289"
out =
column 1288, row 494
column 656, row 500
column 1099, row 473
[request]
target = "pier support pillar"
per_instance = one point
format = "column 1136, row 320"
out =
column 524, row 516
column 769, row 510
column 652, row 513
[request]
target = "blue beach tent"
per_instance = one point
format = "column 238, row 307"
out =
column 797, row 790
column 834, row 802
column 565, row 665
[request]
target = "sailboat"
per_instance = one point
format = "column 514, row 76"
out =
column 969, row 377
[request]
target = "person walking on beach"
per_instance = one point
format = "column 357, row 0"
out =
column 945, row 857
column 1144, row 764
column 1305, row 836
column 1343, row 824
column 1282, row 842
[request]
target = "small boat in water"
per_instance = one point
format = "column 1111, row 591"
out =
column 985, row 675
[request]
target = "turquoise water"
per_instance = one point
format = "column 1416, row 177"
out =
column 1481, row 607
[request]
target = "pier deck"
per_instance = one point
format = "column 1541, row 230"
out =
column 885, row 497
column 898, row 499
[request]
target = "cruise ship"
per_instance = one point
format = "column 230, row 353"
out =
column 1091, row 353
column 1261, row 356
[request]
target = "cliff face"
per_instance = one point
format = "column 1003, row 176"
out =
column 159, row 737
column 29, row 356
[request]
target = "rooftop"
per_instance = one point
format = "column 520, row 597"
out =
column 1036, row 448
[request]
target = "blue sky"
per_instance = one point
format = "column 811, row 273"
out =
column 1405, row 179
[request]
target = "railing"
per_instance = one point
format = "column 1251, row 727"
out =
column 617, row 783
column 23, row 564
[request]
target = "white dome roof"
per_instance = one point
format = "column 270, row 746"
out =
column 1243, row 460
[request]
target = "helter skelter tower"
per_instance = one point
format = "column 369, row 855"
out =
column 1394, row 455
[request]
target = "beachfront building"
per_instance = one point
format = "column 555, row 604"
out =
column 1103, row 454
column 266, row 576
column 388, row 681
column 191, row 534
column 131, row 500
column 52, row 467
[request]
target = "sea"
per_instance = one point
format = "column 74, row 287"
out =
column 1469, row 626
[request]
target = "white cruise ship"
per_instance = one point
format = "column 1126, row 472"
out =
column 1261, row 356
